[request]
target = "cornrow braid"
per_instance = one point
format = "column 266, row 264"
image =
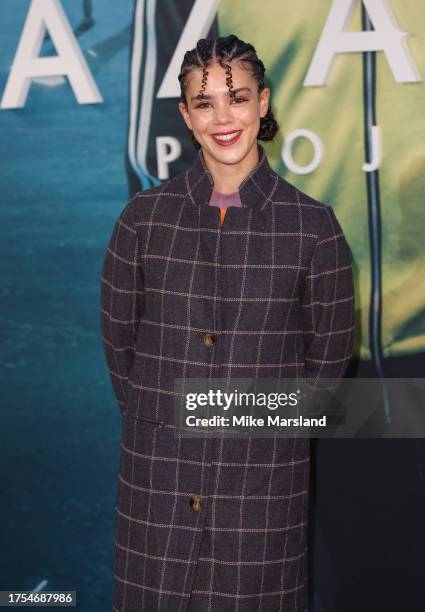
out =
column 224, row 50
column 229, row 77
column 204, row 81
column 202, row 53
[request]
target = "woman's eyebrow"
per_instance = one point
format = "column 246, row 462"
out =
column 206, row 97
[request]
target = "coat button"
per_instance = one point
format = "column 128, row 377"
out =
column 195, row 503
column 209, row 339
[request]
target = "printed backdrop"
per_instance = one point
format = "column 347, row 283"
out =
column 69, row 167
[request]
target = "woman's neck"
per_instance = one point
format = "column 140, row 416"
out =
column 228, row 177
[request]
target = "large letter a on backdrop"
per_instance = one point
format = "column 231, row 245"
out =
column 386, row 37
column 48, row 15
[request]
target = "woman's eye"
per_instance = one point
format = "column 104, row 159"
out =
column 236, row 100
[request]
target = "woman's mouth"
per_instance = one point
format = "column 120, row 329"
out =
column 225, row 140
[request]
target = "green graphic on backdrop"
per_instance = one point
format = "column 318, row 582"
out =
column 286, row 39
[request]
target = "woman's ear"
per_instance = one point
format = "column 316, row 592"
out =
column 264, row 101
column 185, row 114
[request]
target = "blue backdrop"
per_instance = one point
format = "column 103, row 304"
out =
column 67, row 171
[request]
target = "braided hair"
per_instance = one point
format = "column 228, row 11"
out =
column 224, row 50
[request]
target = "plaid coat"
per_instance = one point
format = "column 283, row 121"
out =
column 217, row 524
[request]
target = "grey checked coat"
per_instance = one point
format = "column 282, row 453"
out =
column 205, row 523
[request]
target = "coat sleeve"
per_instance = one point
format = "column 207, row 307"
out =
column 122, row 299
column 328, row 304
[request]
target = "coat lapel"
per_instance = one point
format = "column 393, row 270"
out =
column 256, row 190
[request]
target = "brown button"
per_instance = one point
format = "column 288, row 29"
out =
column 195, row 503
column 209, row 339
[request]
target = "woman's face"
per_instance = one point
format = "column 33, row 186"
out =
column 217, row 114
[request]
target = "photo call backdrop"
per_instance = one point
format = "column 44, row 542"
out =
column 88, row 116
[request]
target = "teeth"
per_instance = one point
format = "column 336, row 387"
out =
column 227, row 136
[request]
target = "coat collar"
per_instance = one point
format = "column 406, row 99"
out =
column 255, row 191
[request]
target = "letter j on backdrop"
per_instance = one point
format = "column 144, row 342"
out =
column 48, row 16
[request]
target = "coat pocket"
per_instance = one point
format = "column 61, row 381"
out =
column 134, row 385
column 135, row 419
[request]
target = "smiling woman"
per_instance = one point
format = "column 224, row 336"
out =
column 227, row 107
column 219, row 523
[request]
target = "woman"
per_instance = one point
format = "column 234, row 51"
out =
column 188, row 292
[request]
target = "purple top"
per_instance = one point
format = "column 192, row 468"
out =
column 223, row 200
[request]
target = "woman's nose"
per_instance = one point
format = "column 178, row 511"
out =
column 223, row 114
